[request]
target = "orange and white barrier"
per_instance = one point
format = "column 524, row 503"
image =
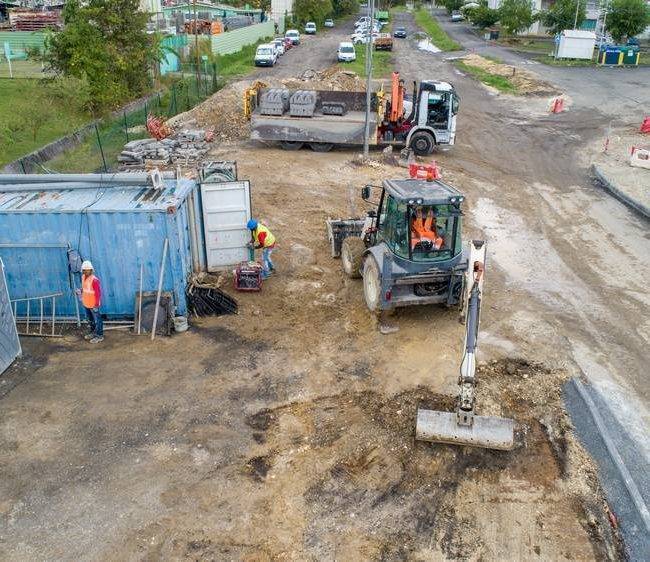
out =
column 640, row 157
column 645, row 126
column 557, row 105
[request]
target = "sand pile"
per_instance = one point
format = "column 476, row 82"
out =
column 224, row 111
column 526, row 82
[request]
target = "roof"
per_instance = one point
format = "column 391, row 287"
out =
column 579, row 34
column 422, row 192
column 94, row 198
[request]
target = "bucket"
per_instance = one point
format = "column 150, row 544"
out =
column 180, row 324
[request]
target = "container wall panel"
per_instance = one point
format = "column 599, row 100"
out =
column 233, row 41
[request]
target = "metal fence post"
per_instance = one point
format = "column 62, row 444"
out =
column 126, row 127
column 146, row 111
column 101, row 148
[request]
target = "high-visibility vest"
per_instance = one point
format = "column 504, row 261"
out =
column 88, row 297
column 268, row 241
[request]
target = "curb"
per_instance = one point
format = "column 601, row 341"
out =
column 601, row 179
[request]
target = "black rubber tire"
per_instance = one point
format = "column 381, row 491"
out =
column 352, row 251
column 321, row 146
column 422, row 143
column 291, row 145
column 372, row 284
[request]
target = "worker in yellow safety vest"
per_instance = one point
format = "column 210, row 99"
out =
column 91, row 298
column 263, row 238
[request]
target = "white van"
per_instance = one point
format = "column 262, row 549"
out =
column 293, row 35
column 346, row 52
column 266, row 55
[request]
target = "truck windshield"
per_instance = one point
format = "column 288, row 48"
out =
column 432, row 232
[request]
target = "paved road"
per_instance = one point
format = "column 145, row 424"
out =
column 621, row 93
column 315, row 52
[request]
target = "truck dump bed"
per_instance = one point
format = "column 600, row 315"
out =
column 338, row 117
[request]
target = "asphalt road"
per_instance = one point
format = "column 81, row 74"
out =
column 621, row 93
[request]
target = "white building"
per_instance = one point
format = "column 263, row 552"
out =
column 281, row 9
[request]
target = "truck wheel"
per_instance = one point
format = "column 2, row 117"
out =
column 290, row 145
column 422, row 143
column 352, row 251
column 321, row 146
column 371, row 284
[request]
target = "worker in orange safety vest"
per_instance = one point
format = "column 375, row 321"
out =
column 91, row 298
column 423, row 230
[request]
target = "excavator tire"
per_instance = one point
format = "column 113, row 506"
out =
column 352, row 251
column 422, row 143
column 372, row 284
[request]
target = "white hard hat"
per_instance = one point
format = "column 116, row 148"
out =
column 86, row 265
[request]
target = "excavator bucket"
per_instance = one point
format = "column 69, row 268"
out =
column 485, row 431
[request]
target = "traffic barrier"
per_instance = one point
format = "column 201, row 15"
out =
column 427, row 172
column 557, row 105
column 640, row 157
column 645, row 126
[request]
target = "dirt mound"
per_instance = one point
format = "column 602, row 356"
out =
column 526, row 82
column 224, row 111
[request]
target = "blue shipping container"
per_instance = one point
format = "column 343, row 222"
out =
column 117, row 227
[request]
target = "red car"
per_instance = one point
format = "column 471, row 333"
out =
column 287, row 44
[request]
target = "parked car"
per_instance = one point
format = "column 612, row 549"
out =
column 294, row 35
column 362, row 38
column 266, row 55
column 346, row 52
column 279, row 45
column 310, row 28
column 456, row 16
column 329, row 23
column 400, row 32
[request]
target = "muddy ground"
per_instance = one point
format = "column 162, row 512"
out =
column 286, row 432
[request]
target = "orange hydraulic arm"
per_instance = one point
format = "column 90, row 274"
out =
column 396, row 98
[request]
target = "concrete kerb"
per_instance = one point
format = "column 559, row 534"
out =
column 54, row 148
column 602, row 180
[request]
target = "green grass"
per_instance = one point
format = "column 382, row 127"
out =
column 31, row 118
column 239, row 63
column 528, row 45
column 381, row 63
column 432, row 28
column 501, row 83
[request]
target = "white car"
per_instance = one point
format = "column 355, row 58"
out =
column 310, row 28
column 266, row 55
column 329, row 23
column 279, row 45
column 362, row 38
column 456, row 16
column 293, row 35
column 346, row 52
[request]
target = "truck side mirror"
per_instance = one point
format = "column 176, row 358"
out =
column 365, row 192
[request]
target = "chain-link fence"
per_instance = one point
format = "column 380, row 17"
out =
column 103, row 141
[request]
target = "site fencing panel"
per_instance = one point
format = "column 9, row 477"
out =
column 9, row 342
column 233, row 41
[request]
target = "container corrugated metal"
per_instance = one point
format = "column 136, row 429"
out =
column 116, row 228
column 233, row 41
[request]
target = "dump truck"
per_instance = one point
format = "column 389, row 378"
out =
column 322, row 119
column 384, row 42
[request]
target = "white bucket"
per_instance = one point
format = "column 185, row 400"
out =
column 180, row 324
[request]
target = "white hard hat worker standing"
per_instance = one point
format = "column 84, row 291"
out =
column 91, row 298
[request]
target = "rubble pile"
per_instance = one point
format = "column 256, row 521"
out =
column 183, row 147
column 224, row 111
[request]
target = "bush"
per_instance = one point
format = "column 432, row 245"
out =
column 516, row 16
column 312, row 10
column 627, row 18
column 562, row 15
column 483, row 16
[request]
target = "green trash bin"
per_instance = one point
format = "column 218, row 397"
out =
column 630, row 54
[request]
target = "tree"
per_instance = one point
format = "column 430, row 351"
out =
column 105, row 43
column 627, row 18
column 562, row 15
column 344, row 7
column 516, row 16
column 482, row 16
column 452, row 5
column 312, row 10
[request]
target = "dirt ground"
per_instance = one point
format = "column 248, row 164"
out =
column 287, row 432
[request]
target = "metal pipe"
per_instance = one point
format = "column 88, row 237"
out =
column 366, row 133
column 160, row 283
column 53, row 313
column 140, row 300
column 28, row 245
column 39, row 297
column 123, row 178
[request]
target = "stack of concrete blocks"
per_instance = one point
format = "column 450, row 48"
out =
column 303, row 103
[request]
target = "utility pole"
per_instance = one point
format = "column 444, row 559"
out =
column 196, row 48
column 575, row 23
column 369, row 30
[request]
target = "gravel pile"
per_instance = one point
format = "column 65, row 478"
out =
column 182, row 148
